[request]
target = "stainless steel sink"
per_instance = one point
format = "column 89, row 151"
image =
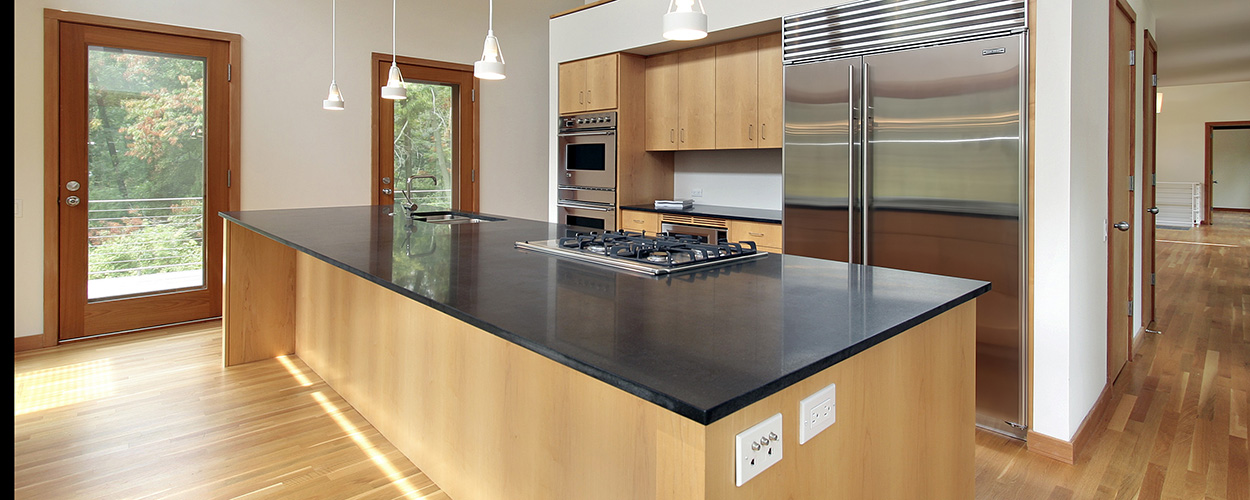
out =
column 451, row 217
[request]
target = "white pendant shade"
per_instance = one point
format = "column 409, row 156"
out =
column 394, row 88
column 334, row 100
column 685, row 21
column 491, row 67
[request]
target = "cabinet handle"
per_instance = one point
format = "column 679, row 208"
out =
column 588, row 100
column 581, row 97
column 672, row 135
column 750, row 132
column 640, row 221
column 755, row 234
column 683, row 136
column 763, row 128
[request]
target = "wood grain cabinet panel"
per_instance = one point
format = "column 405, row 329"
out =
column 697, row 98
column 633, row 220
column 662, row 102
column 737, row 94
column 771, row 92
column 766, row 236
column 588, row 84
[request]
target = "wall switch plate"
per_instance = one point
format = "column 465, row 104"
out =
column 696, row 193
column 758, row 448
column 817, row 412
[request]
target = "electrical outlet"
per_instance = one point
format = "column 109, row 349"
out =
column 817, row 412
column 758, row 448
column 696, row 193
column 17, row 208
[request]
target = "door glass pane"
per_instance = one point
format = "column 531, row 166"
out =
column 424, row 144
column 145, row 155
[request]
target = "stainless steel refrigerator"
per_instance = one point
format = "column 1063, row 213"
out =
column 905, row 148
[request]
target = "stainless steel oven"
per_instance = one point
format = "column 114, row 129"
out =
column 587, row 150
column 593, row 216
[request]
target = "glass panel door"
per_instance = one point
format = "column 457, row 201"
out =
column 145, row 161
column 425, row 146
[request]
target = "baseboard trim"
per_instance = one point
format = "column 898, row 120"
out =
column 1067, row 451
column 27, row 343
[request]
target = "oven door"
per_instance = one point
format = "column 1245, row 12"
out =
column 588, row 158
column 588, row 215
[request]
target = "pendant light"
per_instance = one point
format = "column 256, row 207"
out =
column 334, row 100
column 394, row 88
column 491, row 65
column 684, row 22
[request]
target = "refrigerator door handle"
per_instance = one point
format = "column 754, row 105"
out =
column 866, row 166
column 850, row 163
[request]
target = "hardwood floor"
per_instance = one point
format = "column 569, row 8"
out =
column 1176, row 426
column 154, row 414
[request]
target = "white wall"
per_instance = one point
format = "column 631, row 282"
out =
column 738, row 178
column 1181, row 148
column 1230, row 168
column 294, row 154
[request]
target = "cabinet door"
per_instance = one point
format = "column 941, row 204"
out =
column 601, row 73
column 771, row 92
column 633, row 220
column 737, row 94
column 572, row 90
column 662, row 102
column 766, row 236
column 697, row 93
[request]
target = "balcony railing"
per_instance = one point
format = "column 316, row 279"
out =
column 144, row 245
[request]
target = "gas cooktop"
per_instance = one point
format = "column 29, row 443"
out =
column 652, row 254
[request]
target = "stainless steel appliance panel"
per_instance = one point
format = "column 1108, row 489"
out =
column 591, row 216
column 943, row 178
column 587, row 150
column 820, row 149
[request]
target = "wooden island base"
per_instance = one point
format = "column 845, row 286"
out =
column 487, row 419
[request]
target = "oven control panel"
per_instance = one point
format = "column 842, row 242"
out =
column 588, row 121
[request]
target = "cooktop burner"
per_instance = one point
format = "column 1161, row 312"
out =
column 646, row 253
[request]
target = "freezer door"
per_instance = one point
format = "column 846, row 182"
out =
column 819, row 155
column 943, row 180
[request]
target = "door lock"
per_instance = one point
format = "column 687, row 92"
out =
column 73, row 186
column 1122, row 225
column 72, row 201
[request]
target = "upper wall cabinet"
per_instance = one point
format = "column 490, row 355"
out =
column 723, row 96
column 749, row 93
column 681, row 100
column 588, row 84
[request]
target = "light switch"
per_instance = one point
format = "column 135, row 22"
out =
column 758, row 448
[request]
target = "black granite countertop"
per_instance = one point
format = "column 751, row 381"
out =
column 724, row 212
column 703, row 344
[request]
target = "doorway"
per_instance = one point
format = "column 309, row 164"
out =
column 140, row 119
column 1227, row 172
column 1120, row 166
column 425, row 146
column 1150, row 58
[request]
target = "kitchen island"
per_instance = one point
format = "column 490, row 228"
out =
column 505, row 373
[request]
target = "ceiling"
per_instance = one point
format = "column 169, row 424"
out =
column 1202, row 41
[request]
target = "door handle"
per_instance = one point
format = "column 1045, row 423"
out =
column 387, row 191
column 1153, row 210
column 1122, row 225
column 72, row 201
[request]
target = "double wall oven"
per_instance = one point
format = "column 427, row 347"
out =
column 587, row 159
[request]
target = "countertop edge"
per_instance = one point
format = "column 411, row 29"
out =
column 703, row 417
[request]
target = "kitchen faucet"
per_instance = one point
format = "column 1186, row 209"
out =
column 412, row 207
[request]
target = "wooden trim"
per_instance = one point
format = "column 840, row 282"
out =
column 1222, row 209
column 1208, row 184
column 258, row 314
column 1150, row 119
column 53, row 19
column 581, row 8
column 28, row 343
column 1027, row 359
column 1068, row 451
column 467, row 195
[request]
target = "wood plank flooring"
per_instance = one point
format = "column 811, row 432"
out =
column 1176, row 427
column 154, row 414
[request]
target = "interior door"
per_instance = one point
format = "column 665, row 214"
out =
column 143, row 160
column 821, row 155
column 1120, row 189
column 430, row 138
column 1150, row 57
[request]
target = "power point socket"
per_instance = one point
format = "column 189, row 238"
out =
column 696, row 193
column 758, row 448
column 817, row 412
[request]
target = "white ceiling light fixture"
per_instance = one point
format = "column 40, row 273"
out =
column 394, row 88
column 491, row 65
column 684, row 21
column 334, row 101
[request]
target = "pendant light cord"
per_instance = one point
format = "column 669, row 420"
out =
column 490, row 25
column 393, row 2
column 334, row 39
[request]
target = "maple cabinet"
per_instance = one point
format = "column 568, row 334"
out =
column 589, row 84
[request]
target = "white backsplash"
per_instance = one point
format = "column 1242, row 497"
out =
column 736, row 178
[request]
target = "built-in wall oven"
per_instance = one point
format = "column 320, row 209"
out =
column 587, row 159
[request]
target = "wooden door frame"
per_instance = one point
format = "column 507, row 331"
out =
column 52, row 21
column 1208, row 184
column 468, row 179
column 1150, row 60
column 1114, row 180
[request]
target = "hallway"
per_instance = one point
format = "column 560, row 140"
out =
column 1176, row 425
